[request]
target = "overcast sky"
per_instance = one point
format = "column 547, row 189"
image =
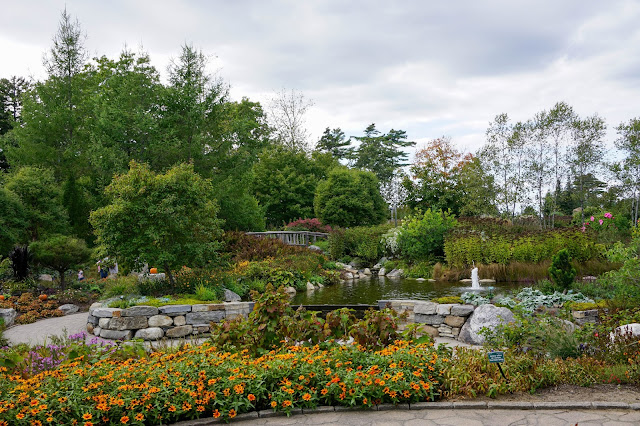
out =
column 431, row 68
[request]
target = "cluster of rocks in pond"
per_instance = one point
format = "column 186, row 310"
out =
column 151, row 323
column 350, row 272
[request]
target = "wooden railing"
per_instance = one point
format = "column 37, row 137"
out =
column 292, row 238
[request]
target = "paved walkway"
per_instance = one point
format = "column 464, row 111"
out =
column 40, row 332
column 462, row 417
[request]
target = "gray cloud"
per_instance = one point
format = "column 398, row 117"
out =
column 432, row 68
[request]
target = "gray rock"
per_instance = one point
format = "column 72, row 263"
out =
column 9, row 316
column 204, row 317
column 420, row 279
column 181, row 331
column 632, row 330
column 425, row 308
column 567, row 326
column 207, row 307
column 106, row 312
column 314, row 248
column 151, row 333
column 382, row 272
column 310, row 287
column 128, row 323
column 90, row 328
column 94, row 306
column 395, row 273
column 454, row 321
column 462, row 310
column 367, row 271
column 115, row 334
column 96, row 331
column 484, row 316
column 140, row 311
column 69, row 308
column 290, row 290
column 486, row 281
column 160, row 321
column 45, row 277
column 179, row 320
column 444, row 308
column 152, row 277
column 465, row 280
column 104, row 322
column 230, row 296
column 382, row 261
column 428, row 319
column 174, row 309
column 347, row 275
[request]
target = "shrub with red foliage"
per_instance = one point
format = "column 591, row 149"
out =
column 312, row 225
column 250, row 247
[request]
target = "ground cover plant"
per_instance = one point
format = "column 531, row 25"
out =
column 31, row 308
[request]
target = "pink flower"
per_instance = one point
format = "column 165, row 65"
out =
column 601, row 221
column 592, row 218
column 608, row 215
column 583, row 229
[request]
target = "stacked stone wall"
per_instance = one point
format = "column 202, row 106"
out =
column 151, row 323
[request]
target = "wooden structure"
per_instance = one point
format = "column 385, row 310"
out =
column 292, row 238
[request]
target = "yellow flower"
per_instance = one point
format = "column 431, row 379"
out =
column 87, row 416
column 124, row 420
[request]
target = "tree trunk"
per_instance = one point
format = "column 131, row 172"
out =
column 169, row 274
column 62, row 283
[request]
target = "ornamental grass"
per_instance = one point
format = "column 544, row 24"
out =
column 196, row 382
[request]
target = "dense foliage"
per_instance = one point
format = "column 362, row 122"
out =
column 423, row 236
column 164, row 219
column 350, row 198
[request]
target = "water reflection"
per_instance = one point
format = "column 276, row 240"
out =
column 371, row 289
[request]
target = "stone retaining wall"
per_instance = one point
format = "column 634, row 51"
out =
column 440, row 320
column 151, row 323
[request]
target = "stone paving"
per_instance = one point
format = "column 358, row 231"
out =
column 426, row 417
column 41, row 331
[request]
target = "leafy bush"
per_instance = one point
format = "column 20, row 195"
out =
column 243, row 247
column 60, row 253
column 422, row 236
column 561, row 271
column 363, row 242
column 465, row 246
column 349, row 197
column 448, row 299
column 30, row 308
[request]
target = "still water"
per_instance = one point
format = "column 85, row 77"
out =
column 370, row 290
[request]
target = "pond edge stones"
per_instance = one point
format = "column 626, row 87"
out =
column 154, row 323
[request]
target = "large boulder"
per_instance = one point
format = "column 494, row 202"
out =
column 69, row 308
column 230, row 296
column 484, row 316
column 631, row 330
column 8, row 315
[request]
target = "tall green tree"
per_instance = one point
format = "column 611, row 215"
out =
column 628, row 169
column 350, row 198
column 380, row 153
column 335, row 143
column 13, row 221
column 41, row 198
column 585, row 155
column 53, row 134
column 163, row 219
column 193, row 105
column 285, row 183
column 558, row 128
column 11, row 91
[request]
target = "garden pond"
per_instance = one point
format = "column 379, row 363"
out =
column 369, row 290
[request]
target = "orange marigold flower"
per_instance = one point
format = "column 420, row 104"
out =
column 186, row 406
column 232, row 413
column 324, row 391
column 274, row 404
column 34, row 402
column 124, row 420
column 20, row 416
column 172, row 408
column 88, row 423
column 50, row 419
column 251, row 397
column 216, row 413
column 139, row 417
column 286, row 403
column 87, row 416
